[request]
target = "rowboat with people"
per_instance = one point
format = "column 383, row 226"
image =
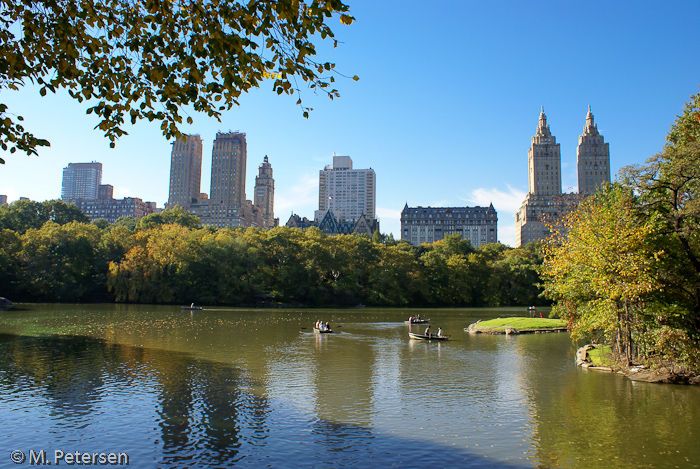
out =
column 428, row 336
column 322, row 327
column 417, row 320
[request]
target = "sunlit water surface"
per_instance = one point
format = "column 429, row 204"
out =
column 233, row 387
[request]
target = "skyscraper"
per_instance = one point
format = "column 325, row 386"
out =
column 545, row 201
column 228, row 167
column 592, row 158
column 348, row 193
column 185, row 171
column 226, row 204
column 265, row 191
column 81, row 181
column 544, row 161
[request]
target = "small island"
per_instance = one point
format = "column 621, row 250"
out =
column 517, row 325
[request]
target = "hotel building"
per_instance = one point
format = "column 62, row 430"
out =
column 478, row 225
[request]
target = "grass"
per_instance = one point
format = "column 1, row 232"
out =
column 601, row 356
column 521, row 324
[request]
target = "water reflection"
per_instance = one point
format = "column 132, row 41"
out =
column 167, row 409
column 181, row 390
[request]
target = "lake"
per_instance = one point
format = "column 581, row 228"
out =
column 257, row 387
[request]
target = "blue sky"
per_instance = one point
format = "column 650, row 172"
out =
column 448, row 99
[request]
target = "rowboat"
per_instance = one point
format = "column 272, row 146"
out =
column 191, row 308
column 5, row 304
column 323, row 331
column 413, row 335
column 417, row 321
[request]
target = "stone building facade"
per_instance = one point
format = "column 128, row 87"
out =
column 545, row 203
column 478, row 225
column 592, row 158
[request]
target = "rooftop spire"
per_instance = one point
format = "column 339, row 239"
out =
column 590, row 128
column 542, row 127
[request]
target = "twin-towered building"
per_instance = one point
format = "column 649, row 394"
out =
column 226, row 204
column 545, row 200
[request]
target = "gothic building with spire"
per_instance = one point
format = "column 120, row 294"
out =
column 545, row 201
column 592, row 158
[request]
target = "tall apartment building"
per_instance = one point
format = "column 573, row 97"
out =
column 478, row 225
column 3, row 199
column 348, row 193
column 592, row 158
column 226, row 203
column 81, row 181
column 265, row 191
column 185, row 171
column 544, row 161
column 545, row 200
column 228, row 168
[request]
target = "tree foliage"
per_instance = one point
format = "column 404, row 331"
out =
column 686, row 129
column 602, row 268
column 132, row 60
column 627, row 264
column 171, row 259
column 22, row 215
column 669, row 188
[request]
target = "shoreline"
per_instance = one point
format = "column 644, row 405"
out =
column 640, row 373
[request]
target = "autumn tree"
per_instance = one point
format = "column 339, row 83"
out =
column 668, row 185
column 143, row 59
column 602, row 270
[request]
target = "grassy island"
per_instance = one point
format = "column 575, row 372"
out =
column 516, row 325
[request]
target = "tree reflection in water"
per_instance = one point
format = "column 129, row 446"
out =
column 168, row 409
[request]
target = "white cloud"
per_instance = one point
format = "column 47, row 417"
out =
column 301, row 196
column 506, row 201
column 506, row 205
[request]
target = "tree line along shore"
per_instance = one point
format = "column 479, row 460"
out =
column 49, row 252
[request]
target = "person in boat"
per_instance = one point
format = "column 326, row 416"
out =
column 410, row 319
column 427, row 331
column 192, row 306
column 439, row 334
column 326, row 327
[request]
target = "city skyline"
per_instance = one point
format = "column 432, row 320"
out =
column 444, row 118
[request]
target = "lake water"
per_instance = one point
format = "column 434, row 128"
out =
column 250, row 388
